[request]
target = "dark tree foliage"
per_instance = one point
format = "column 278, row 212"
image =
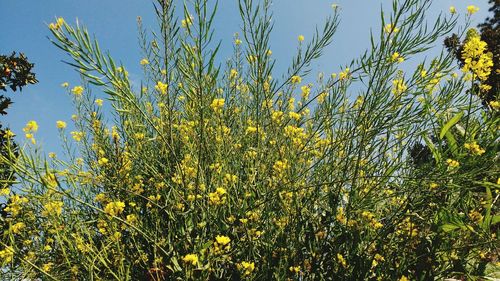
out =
column 490, row 33
column 15, row 73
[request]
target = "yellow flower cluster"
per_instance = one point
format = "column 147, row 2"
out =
column 217, row 105
column 218, row 197
column 114, row 208
column 222, row 243
column 246, row 267
column 77, row 90
column 53, row 208
column 191, row 259
column 15, row 205
column 452, row 163
column 6, row 255
column 56, row 25
column 398, row 87
column 30, row 128
column 471, row 9
column 161, row 87
column 342, row 260
column 474, row 148
column 476, row 60
column 296, row 79
column 60, row 124
column 390, row 28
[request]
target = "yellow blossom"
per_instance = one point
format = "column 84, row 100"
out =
column 114, row 208
column 102, row 161
column 452, row 163
column 306, row 90
column 17, row 227
column 8, row 134
column 300, row 38
column 222, row 240
column 453, row 10
column 495, row 105
column 77, row 90
column 190, row 259
column 161, row 87
column 98, row 102
column 217, row 105
column 390, row 28
column 144, row 62
column 471, row 9
column 53, row 208
column 60, row 124
column 246, row 267
column 296, row 79
column 31, row 127
column 77, row 136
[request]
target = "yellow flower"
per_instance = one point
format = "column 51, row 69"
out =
column 306, row 90
column 452, row 163
column 132, row 219
column 453, row 10
column 77, row 136
column 77, row 90
column 471, row 9
column 476, row 60
column 4, row 191
column 322, row 97
column 60, row 124
column 495, row 105
column 31, row 127
column 246, row 267
column 57, row 25
column 144, row 62
column 8, row 134
column 341, row 260
column 190, row 259
column 474, row 148
column 294, row 269
column 251, row 130
column 161, row 87
column 237, row 42
column 47, row 267
column 6, row 255
column 114, row 208
column 390, row 28
column 222, row 240
column 98, row 102
column 102, row 161
column 300, row 38
column 398, row 87
column 296, row 79
column 16, row 228
column 404, row 278
column 344, row 74
column 217, row 105
column 53, row 208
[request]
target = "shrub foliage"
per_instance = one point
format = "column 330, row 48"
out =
column 212, row 172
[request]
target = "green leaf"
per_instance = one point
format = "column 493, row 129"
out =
column 449, row 227
column 454, row 120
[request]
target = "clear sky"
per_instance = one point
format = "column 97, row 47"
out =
column 113, row 22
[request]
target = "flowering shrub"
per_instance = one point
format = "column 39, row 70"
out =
column 213, row 173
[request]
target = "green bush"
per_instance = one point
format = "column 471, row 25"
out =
column 226, row 173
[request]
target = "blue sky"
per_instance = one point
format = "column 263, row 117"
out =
column 113, row 22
